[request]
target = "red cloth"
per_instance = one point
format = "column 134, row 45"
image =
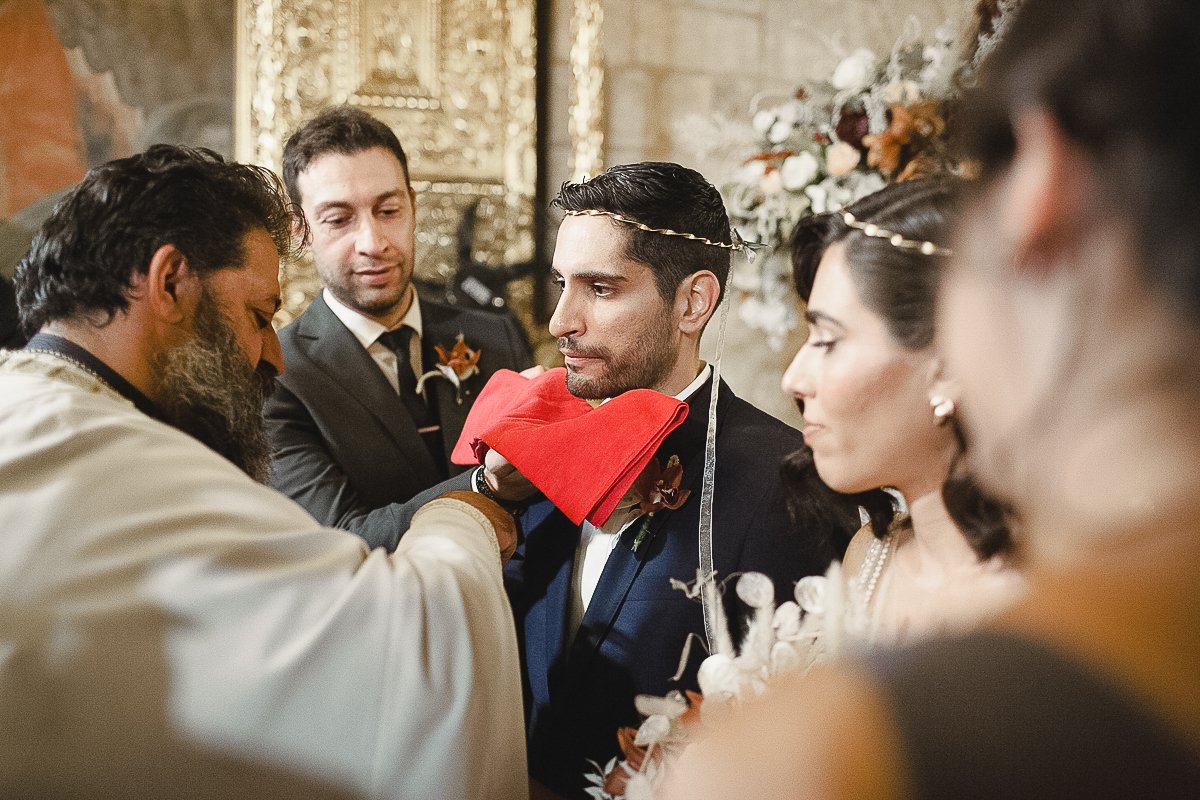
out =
column 583, row 459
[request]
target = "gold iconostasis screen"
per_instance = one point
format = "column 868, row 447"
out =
column 456, row 80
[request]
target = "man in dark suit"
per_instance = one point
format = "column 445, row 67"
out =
column 597, row 618
column 356, row 431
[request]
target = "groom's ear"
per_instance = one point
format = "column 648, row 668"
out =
column 696, row 300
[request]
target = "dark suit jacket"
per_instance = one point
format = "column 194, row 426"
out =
column 345, row 446
column 10, row 334
column 580, row 688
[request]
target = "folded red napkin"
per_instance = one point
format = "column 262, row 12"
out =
column 583, row 459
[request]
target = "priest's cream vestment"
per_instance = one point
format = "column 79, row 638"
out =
column 170, row 628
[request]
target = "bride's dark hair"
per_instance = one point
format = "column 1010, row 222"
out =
column 900, row 285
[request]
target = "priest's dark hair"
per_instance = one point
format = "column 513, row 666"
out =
column 104, row 232
column 664, row 196
column 898, row 284
column 339, row 129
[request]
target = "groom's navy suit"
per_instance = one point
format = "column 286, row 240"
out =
column 580, row 687
column 345, row 446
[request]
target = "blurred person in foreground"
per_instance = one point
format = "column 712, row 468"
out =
column 1071, row 319
column 169, row 626
column 880, row 411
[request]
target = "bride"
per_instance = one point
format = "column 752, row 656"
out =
column 879, row 411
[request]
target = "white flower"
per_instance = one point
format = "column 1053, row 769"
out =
column 671, row 707
column 779, row 131
column 810, row 593
column 763, row 121
column 652, row 731
column 787, row 620
column 856, row 72
column 751, row 171
column 756, row 590
column 771, row 182
column 898, row 91
column 639, row 787
column 718, row 676
column 799, row 171
column 818, row 195
column 789, row 112
column 841, row 158
column 861, row 184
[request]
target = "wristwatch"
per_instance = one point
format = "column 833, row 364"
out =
column 480, row 485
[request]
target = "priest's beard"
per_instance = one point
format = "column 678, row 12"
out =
column 206, row 388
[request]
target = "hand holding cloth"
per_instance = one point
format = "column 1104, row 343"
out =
column 583, row 459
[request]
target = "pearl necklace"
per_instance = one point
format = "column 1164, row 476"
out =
column 880, row 553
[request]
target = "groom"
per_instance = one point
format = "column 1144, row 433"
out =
column 642, row 259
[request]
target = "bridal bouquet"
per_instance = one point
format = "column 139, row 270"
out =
column 875, row 119
column 828, row 616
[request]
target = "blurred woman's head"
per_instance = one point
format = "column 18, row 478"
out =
column 1074, row 293
column 878, row 407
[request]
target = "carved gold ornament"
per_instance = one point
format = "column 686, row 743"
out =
column 456, row 80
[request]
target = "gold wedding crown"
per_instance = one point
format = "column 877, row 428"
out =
column 737, row 245
column 894, row 239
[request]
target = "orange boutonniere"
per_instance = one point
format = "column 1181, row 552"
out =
column 460, row 358
column 658, row 488
column 455, row 365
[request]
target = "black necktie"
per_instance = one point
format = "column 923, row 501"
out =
column 398, row 342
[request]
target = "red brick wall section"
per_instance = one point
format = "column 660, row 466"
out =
column 41, row 148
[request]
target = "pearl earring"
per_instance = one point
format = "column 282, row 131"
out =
column 943, row 409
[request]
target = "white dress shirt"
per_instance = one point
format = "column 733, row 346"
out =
column 367, row 331
column 596, row 544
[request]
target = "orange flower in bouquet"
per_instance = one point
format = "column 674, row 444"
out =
column 913, row 132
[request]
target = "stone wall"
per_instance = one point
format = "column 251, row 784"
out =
column 665, row 59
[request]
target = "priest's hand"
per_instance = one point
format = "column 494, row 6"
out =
column 503, row 479
column 503, row 524
column 532, row 372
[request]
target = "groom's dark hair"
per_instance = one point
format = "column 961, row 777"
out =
column 665, row 196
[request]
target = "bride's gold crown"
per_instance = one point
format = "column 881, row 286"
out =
column 894, row 239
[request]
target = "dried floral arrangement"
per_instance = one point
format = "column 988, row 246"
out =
column 874, row 120
column 827, row 616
